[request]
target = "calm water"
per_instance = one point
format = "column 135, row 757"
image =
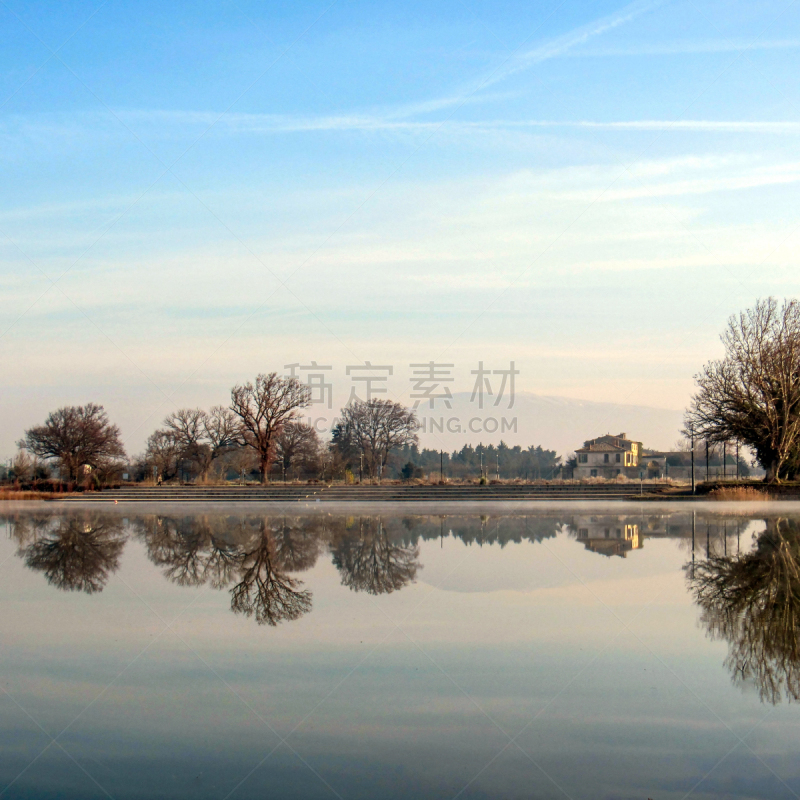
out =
column 550, row 655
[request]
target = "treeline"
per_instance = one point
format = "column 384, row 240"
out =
column 261, row 436
column 503, row 461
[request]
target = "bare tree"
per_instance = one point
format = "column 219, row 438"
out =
column 186, row 430
column 163, row 452
column 76, row 436
column 186, row 426
column 242, row 460
column 195, row 436
column 222, row 433
column 264, row 409
column 375, row 428
column 297, row 444
column 23, row 466
column 753, row 393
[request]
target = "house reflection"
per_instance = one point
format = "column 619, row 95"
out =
column 608, row 535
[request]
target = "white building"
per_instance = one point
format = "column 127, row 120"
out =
column 608, row 457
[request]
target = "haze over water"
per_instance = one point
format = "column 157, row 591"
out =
column 550, row 654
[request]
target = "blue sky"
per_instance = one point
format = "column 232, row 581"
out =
column 197, row 193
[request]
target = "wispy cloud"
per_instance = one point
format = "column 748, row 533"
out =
column 46, row 135
column 277, row 123
column 700, row 125
column 688, row 47
column 561, row 45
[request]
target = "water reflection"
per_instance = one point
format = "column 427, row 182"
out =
column 535, row 616
column 264, row 590
column 74, row 553
column 370, row 560
column 192, row 550
column 752, row 601
column 252, row 556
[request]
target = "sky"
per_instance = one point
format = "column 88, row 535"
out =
column 197, row 193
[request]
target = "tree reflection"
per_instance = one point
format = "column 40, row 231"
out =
column 74, row 553
column 752, row 601
column 369, row 560
column 251, row 555
column 298, row 543
column 264, row 590
column 192, row 550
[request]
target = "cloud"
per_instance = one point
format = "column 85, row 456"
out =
column 687, row 48
column 561, row 45
column 697, row 125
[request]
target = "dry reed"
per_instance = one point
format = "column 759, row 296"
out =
column 14, row 494
column 738, row 493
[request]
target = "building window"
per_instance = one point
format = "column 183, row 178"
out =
column 582, row 458
column 593, row 473
column 619, row 458
column 605, row 458
column 583, row 533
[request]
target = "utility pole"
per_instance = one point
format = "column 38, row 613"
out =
column 706, row 460
column 498, row 466
column 691, row 434
column 737, row 459
column 441, row 465
column 724, row 459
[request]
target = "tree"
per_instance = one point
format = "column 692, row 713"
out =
column 184, row 429
column 76, row 436
column 23, row 466
column 297, row 444
column 343, row 447
column 222, row 433
column 195, row 436
column 163, row 452
column 753, row 393
column 263, row 410
column 376, row 427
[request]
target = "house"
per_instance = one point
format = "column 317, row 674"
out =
column 608, row 457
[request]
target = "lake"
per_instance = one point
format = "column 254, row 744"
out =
column 617, row 651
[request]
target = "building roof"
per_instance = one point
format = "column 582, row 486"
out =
column 621, row 442
column 601, row 447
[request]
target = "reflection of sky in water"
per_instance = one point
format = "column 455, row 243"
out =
column 513, row 658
